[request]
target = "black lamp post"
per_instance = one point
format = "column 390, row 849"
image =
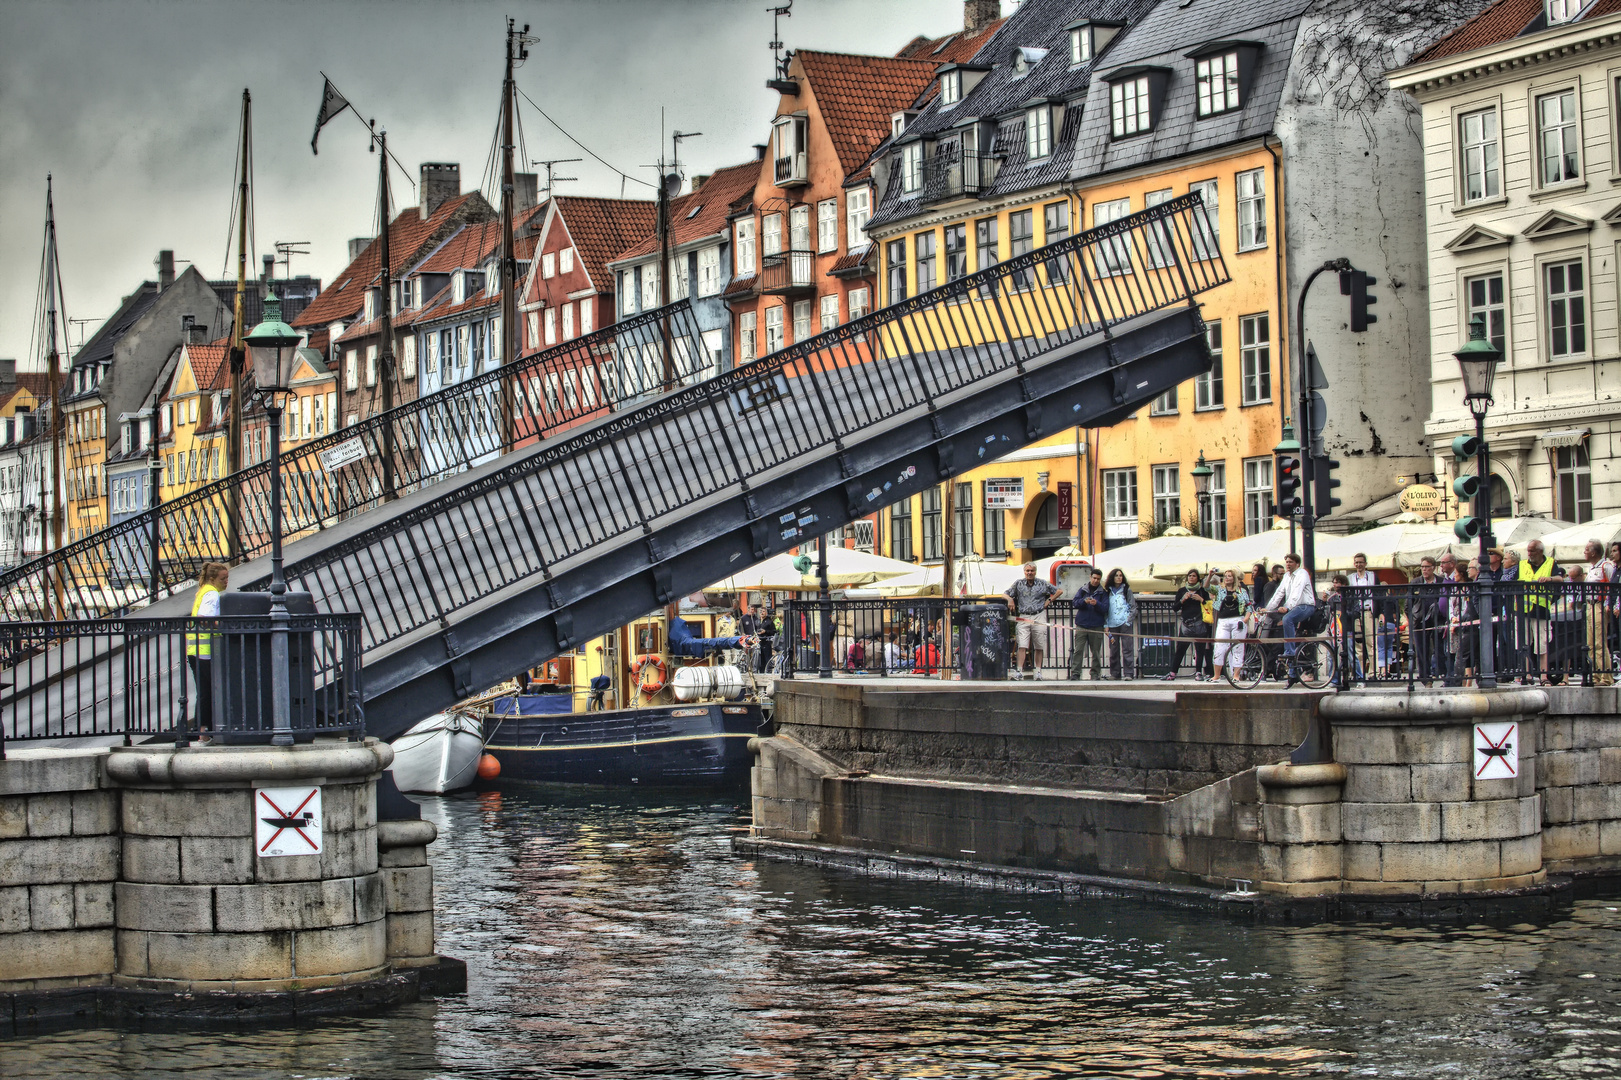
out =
column 1478, row 360
column 1201, row 473
column 154, row 499
column 273, row 348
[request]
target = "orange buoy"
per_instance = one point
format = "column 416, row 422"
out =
column 489, row 767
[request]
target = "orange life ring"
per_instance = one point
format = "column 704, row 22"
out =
column 647, row 688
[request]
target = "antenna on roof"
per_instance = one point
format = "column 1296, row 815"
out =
column 782, row 58
column 551, row 179
column 675, row 141
column 287, row 249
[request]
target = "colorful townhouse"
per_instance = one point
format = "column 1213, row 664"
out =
column 1522, row 154
column 1079, row 112
column 21, row 397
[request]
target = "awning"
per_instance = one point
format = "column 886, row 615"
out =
column 1564, row 437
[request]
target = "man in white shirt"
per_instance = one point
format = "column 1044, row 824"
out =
column 1298, row 601
column 1600, row 575
column 1368, row 618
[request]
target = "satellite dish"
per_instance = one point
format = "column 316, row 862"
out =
column 672, row 184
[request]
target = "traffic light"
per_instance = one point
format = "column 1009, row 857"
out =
column 1288, row 504
column 1323, row 483
column 1466, row 488
column 1465, row 447
column 1467, row 528
column 1354, row 283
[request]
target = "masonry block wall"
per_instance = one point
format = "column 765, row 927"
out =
column 1579, row 779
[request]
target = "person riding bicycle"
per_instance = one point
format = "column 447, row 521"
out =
column 1297, row 600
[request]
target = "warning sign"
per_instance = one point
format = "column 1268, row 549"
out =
column 1497, row 751
column 287, row 821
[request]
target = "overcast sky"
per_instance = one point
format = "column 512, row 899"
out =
column 133, row 106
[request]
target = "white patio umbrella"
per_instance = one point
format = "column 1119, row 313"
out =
column 974, row 576
column 845, row 566
column 1566, row 542
column 1242, row 553
column 1145, row 562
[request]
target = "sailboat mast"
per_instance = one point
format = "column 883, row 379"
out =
column 58, row 419
column 515, row 49
column 233, row 433
column 385, row 348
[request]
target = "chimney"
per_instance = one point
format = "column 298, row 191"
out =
column 192, row 332
column 440, row 181
column 525, row 191
column 759, row 151
column 358, row 245
column 8, row 375
column 978, row 14
column 269, row 272
column 165, row 269
column 698, row 181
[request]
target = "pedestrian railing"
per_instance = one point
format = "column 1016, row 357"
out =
column 1559, row 632
column 149, row 679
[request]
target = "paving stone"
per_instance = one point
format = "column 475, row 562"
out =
column 1381, row 783
column 371, row 902
column 56, row 954
column 1558, row 805
column 176, row 909
column 1496, row 819
column 341, row 949
column 418, row 856
column 1564, row 842
column 131, row 953
column 1569, row 768
column 58, row 859
column 1441, row 861
column 95, row 813
column 50, row 907
column 1313, row 824
column 409, row 889
column 93, row 905
column 14, row 917
column 151, row 859
column 1443, row 783
column 187, row 813
column 35, row 771
column 1399, row 823
column 13, row 816
column 220, row 957
column 216, row 860
column 1597, row 803
column 1521, row 856
column 410, row 934
column 296, row 905
column 50, row 815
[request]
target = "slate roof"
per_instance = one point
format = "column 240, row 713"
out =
column 406, row 235
column 602, row 228
column 713, row 202
column 100, row 345
column 857, row 95
column 1504, row 21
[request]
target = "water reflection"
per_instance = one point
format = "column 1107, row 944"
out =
column 621, row 938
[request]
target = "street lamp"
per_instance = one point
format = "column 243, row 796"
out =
column 273, row 348
column 1477, row 361
column 1201, row 473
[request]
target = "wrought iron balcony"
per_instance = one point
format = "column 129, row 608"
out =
column 787, row 273
column 955, row 174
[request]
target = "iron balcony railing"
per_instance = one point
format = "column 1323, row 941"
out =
column 787, row 272
column 952, row 173
column 137, row 678
column 432, row 438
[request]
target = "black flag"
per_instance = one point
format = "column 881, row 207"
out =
column 332, row 103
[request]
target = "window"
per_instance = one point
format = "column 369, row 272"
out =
column 773, row 329
column 788, row 158
column 1477, row 139
column 1167, row 495
column 447, row 348
column 827, row 225
column 745, row 336
column 1038, row 133
column 650, row 287
column 551, row 326
column 1161, row 244
column 708, row 271
column 1120, row 505
column 1164, row 405
column 1573, row 484
column 306, row 412
column 995, row 527
column 568, row 321
column 548, row 265
column 932, row 542
column 951, row 88
column 1213, row 511
column 900, row 531
column 475, row 336
column 985, row 230
column 802, row 319
column 1485, row 298
column 371, row 372
column 956, row 251
column 911, row 167
column 1080, row 45
column 1021, row 238
column 1128, row 107
column 1207, row 388
column 627, row 292
column 897, row 270
column 1566, row 309
column 1255, row 358
column 1206, row 226
column 860, row 302
column 586, row 321
column 1115, row 251
column 1559, row 11
column 1251, row 209
column 923, row 244
column 857, row 210
column 1257, row 495
column 1056, row 223
column 771, row 234
column 565, row 261
column 799, row 233
column 1217, row 79
column 743, row 255
column 830, row 311
column 962, row 521
column 1558, row 147
column 678, row 277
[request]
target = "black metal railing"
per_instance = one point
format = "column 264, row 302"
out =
column 1559, row 632
column 626, row 474
column 906, row 636
column 952, row 172
column 433, row 438
column 787, row 272
column 177, row 678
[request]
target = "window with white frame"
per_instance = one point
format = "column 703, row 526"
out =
column 1167, row 495
column 771, row 234
column 911, row 167
column 860, row 302
column 650, row 286
column 951, row 88
column 896, row 262
column 1128, row 107
column 1573, row 484
column 531, row 326
column 1164, row 405
column 1565, row 307
column 1115, row 251
column 371, row 372
column 857, row 212
column 1257, row 495
column 773, row 329
column 568, row 321
column 1207, row 388
column 1484, row 298
column 548, row 265
column 743, row 249
column 1558, row 142
column 586, row 321
column 1255, row 358
column 802, row 319
column 1213, row 511
column 827, row 225
column 565, row 261
column 551, row 326
column 1477, row 144
column 745, row 337
column 799, row 229
column 1120, row 504
column 1217, row 80
column 708, row 271
column 1560, row 11
column 678, row 277
column 1021, row 239
column 1159, row 237
column 1251, row 209
column 627, row 292
column 956, row 250
column 1080, row 45
column 351, row 380
column 923, row 247
column 408, row 357
column 1038, row 132
column 830, row 311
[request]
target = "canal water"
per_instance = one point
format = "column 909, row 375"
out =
column 618, row 936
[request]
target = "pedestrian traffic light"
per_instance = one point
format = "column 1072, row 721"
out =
column 1288, row 504
column 1323, row 483
column 1354, row 283
column 1466, row 447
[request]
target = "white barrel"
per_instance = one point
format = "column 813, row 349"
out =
column 693, row 683
column 728, row 682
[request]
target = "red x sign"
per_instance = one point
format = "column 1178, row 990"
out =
column 287, row 821
column 1497, row 751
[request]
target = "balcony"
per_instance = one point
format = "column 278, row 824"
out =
column 956, row 174
column 787, row 273
column 790, row 170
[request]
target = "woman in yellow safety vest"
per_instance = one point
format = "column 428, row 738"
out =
column 213, row 577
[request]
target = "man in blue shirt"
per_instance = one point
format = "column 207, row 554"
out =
column 1091, row 604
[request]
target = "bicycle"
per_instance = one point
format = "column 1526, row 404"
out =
column 1314, row 658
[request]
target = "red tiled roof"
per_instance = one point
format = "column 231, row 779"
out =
column 406, row 235
column 37, row 383
column 207, row 361
column 855, row 261
column 601, row 228
column 1503, row 21
column 958, row 48
column 712, row 201
column 475, row 243
column 739, row 286
column 857, row 95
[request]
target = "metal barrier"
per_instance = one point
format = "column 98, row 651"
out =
column 1557, row 631
column 140, row 677
column 433, row 438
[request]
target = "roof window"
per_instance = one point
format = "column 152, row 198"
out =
column 1222, row 71
column 1027, row 57
column 1562, row 11
column 1135, row 97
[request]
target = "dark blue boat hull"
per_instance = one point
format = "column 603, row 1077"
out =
column 698, row 745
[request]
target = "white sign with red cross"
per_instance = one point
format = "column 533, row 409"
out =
column 287, row 821
column 1497, row 751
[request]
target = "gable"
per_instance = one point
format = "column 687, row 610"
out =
column 1556, row 223
column 1476, row 238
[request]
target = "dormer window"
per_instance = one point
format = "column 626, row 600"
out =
column 788, row 139
column 1038, row 132
column 899, row 122
column 1080, row 45
column 1562, row 11
column 912, row 167
column 1217, row 80
column 951, row 88
column 1135, row 96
